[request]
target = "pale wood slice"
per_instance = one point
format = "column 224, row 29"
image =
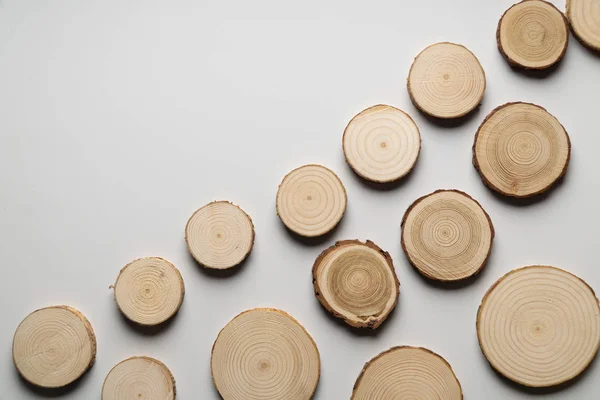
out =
column 381, row 143
column 407, row 373
column 447, row 235
column 54, row 346
column 539, row 326
column 521, row 150
column 533, row 34
column 446, row 80
column 265, row 354
column 220, row 235
column 139, row 378
column 584, row 18
column 149, row 291
column 357, row 282
column 311, row 200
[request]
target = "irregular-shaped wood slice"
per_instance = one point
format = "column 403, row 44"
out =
column 142, row 378
column 521, row 150
column 447, row 235
column 407, row 373
column 357, row 282
column 446, row 81
column 54, row 346
column 533, row 34
column 149, row 290
column 311, row 200
column 381, row 144
column 539, row 326
column 220, row 235
column 584, row 17
column 265, row 354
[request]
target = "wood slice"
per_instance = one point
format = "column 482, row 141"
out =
column 54, row 346
column 533, row 34
column 311, row 200
column 265, row 354
column 584, row 17
column 447, row 235
column 220, row 235
column 139, row 378
column 149, row 291
column 357, row 282
column 381, row 144
column 407, row 373
column 446, row 81
column 539, row 326
column 521, row 150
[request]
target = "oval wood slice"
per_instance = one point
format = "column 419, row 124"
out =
column 584, row 18
column 357, row 282
column 149, row 291
column 220, row 235
column 265, row 354
column 54, row 346
column 311, row 200
column 539, row 326
column 142, row 378
column 447, row 235
column 446, row 80
column 407, row 373
column 381, row 144
column 521, row 150
column 533, row 34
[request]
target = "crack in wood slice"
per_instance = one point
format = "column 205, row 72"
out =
column 311, row 200
column 447, row 235
column 220, row 235
column 139, row 378
column 539, row 326
column 446, row 80
column 584, row 18
column 149, row 291
column 407, row 373
column 266, row 354
column 357, row 282
column 521, row 150
column 54, row 346
column 381, row 144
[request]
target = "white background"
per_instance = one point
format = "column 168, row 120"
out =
column 119, row 118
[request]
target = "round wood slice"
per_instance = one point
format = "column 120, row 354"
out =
column 539, row 326
column 311, row 200
column 446, row 81
column 533, row 34
column 584, row 17
column 220, row 235
column 54, row 346
column 447, row 235
column 149, row 291
column 142, row 378
column 357, row 282
column 407, row 373
column 266, row 354
column 381, row 144
column 521, row 150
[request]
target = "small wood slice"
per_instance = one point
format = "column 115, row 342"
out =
column 521, row 150
column 149, row 291
column 142, row 378
column 311, row 200
column 381, row 144
column 407, row 373
column 220, row 235
column 357, row 282
column 447, row 235
column 266, row 354
column 584, row 17
column 533, row 34
column 539, row 326
column 446, row 81
column 54, row 346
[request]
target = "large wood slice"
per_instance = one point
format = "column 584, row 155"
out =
column 139, row 378
column 584, row 18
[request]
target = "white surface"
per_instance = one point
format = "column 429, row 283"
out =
column 120, row 118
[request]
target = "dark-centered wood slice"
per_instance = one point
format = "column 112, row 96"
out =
column 584, row 18
column 139, row 378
